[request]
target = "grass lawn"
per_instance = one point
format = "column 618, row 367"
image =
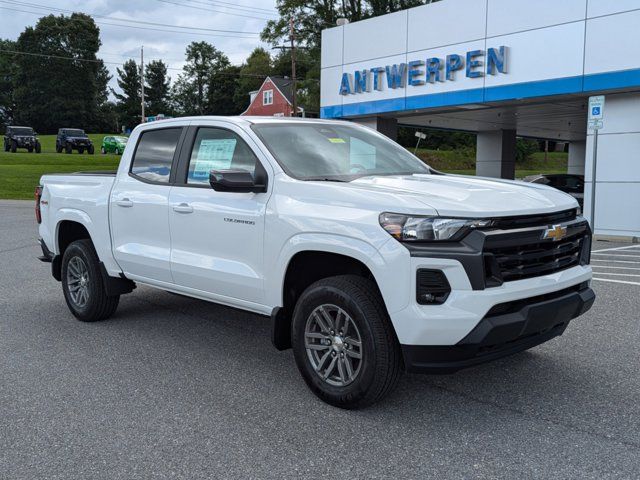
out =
column 20, row 172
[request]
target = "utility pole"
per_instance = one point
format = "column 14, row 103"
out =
column 143, row 118
column 293, row 68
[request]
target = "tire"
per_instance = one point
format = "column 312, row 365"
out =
column 58, row 148
column 118, row 152
column 103, row 151
column 14, row 146
column 80, row 261
column 80, row 150
column 6, row 146
column 376, row 373
column 30, row 149
column 68, row 148
column 91, row 150
column 38, row 147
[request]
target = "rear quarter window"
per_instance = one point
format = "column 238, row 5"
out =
column 154, row 154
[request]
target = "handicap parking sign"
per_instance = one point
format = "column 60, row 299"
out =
column 595, row 111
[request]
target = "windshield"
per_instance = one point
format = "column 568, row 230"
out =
column 315, row 151
column 22, row 131
column 75, row 132
column 121, row 139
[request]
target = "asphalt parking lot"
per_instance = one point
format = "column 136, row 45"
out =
column 177, row 388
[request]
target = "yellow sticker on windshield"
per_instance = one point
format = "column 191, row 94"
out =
column 336, row 140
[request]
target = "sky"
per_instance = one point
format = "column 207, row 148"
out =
column 120, row 43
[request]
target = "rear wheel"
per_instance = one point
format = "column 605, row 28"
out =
column 58, row 148
column 30, row 149
column 82, row 284
column 343, row 342
column 7, row 146
column 14, row 146
column 90, row 150
column 38, row 147
column 68, row 148
column 81, row 150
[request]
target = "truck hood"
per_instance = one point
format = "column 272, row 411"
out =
column 461, row 196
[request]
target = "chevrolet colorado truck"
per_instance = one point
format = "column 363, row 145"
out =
column 368, row 262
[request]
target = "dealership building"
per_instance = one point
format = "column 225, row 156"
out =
column 501, row 69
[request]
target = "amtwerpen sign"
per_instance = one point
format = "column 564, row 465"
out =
column 429, row 71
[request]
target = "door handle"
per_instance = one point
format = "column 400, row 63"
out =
column 183, row 208
column 124, row 202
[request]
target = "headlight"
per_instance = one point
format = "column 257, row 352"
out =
column 428, row 229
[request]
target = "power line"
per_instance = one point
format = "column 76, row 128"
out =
column 236, row 6
column 107, row 17
column 212, row 10
column 97, row 60
column 99, row 22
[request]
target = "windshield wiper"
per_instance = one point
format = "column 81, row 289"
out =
column 326, row 179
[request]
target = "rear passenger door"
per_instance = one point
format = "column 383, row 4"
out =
column 217, row 237
column 140, row 204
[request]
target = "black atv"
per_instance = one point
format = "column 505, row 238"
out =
column 21, row 137
column 70, row 139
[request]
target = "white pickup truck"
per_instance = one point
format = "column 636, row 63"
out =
column 368, row 262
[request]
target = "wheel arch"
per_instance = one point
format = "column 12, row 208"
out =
column 311, row 257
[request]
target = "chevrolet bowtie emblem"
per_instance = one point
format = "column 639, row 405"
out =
column 555, row 233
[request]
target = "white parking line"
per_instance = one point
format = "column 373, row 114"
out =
column 619, row 274
column 615, row 281
column 614, row 261
column 615, row 255
column 617, row 268
column 616, row 248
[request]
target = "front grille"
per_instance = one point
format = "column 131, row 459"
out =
column 535, row 220
column 520, row 254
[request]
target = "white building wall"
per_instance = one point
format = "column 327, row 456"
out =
column 618, row 169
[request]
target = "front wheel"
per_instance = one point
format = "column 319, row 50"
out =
column 82, row 284
column 343, row 342
column 103, row 151
column 68, row 148
column 90, row 150
column 38, row 147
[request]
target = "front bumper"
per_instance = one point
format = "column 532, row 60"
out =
column 506, row 329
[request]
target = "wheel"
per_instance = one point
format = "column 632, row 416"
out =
column 91, row 149
column 103, row 151
column 14, row 146
column 68, row 148
column 82, row 283
column 118, row 152
column 6, row 146
column 30, row 149
column 38, row 147
column 58, row 148
column 80, row 150
column 343, row 342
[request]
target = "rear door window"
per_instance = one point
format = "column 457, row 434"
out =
column 154, row 154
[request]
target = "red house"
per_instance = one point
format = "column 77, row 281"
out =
column 273, row 99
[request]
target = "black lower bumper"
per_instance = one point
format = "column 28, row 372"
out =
column 508, row 328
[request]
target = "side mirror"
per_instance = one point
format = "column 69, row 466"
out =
column 235, row 181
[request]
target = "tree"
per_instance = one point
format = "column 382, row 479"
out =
column 62, row 83
column 157, row 87
column 7, row 74
column 192, row 87
column 222, row 89
column 251, row 76
column 128, row 100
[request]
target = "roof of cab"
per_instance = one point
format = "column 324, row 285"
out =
column 243, row 120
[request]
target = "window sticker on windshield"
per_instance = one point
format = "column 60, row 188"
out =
column 336, row 140
column 213, row 154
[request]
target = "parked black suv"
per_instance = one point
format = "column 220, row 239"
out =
column 21, row 137
column 70, row 139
